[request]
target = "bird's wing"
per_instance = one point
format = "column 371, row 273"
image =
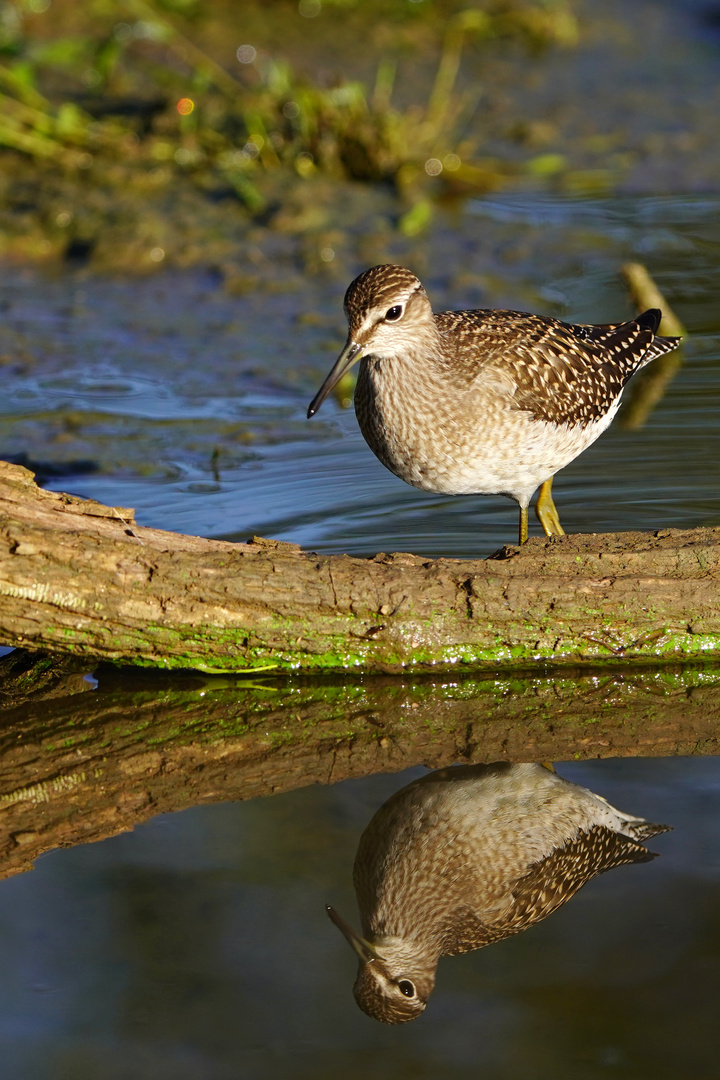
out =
column 558, row 372
column 546, row 886
column 552, row 881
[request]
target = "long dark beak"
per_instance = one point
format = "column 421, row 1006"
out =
column 363, row 948
column 345, row 361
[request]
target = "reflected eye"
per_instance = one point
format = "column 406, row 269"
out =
column 392, row 315
column 406, row 987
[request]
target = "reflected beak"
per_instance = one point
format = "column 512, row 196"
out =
column 363, row 948
column 345, row 361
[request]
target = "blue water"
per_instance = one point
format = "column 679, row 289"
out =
column 198, row 946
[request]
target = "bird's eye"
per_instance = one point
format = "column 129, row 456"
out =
column 394, row 313
column 406, row 987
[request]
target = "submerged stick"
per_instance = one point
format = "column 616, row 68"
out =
column 645, row 294
column 648, row 388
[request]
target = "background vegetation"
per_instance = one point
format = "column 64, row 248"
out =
column 122, row 115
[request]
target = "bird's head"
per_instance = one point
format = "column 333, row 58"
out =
column 388, row 314
column 394, row 980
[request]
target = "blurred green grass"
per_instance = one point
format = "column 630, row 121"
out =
column 119, row 95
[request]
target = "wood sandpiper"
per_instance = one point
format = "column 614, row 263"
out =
column 485, row 402
column 465, row 857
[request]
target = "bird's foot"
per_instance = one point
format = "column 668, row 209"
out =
column 546, row 511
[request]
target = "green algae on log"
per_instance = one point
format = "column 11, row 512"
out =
column 82, row 578
column 79, row 766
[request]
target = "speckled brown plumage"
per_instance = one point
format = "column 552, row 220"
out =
column 564, row 374
column 481, row 402
column 465, row 857
column 546, row 887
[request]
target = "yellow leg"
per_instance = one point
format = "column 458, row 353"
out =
column 523, row 525
column 546, row 512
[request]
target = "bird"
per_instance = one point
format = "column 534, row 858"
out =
column 466, row 856
column 482, row 402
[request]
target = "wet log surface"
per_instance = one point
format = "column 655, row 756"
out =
column 78, row 764
column 84, row 579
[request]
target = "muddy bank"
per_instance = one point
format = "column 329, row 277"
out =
column 136, row 138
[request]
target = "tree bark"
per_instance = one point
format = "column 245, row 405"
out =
column 82, row 578
column 78, row 765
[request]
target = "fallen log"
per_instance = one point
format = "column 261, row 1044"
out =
column 78, row 764
column 82, row 578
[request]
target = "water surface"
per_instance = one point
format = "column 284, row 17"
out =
column 189, row 404
column 199, row 946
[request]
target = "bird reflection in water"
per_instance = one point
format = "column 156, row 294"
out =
column 467, row 856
